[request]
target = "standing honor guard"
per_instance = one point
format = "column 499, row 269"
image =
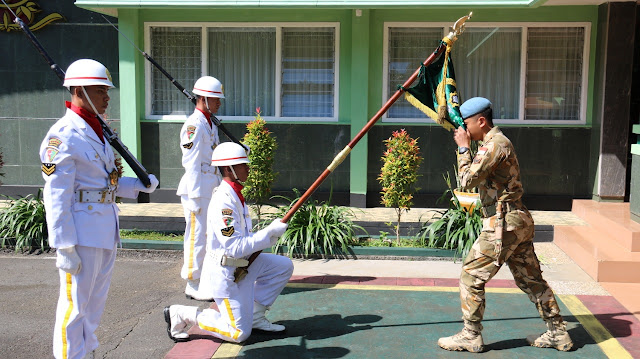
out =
column 81, row 185
column 507, row 233
column 198, row 138
column 242, row 301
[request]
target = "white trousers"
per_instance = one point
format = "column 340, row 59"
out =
column 195, row 240
column 267, row 276
column 81, row 303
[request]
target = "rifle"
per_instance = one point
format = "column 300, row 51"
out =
column 175, row 83
column 108, row 133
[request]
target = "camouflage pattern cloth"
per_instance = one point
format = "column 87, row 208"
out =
column 507, row 231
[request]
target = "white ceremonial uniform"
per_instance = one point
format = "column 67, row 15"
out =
column 76, row 165
column 230, row 235
column 197, row 141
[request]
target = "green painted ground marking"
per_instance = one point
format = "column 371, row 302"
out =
column 358, row 321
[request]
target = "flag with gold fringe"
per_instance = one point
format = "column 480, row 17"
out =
column 435, row 92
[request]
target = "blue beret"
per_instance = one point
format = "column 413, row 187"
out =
column 474, row 106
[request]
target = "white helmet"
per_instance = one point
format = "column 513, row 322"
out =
column 228, row 154
column 86, row 72
column 208, row 86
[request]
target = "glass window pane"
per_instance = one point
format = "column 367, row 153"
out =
column 408, row 48
column 243, row 59
column 308, row 72
column 177, row 50
column 554, row 73
column 487, row 64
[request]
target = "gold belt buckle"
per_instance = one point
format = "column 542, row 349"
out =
column 104, row 194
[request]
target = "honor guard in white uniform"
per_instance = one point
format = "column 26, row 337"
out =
column 198, row 138
column 242, row 301
column 81, row 185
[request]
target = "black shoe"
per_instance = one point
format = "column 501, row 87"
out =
column 167, row 318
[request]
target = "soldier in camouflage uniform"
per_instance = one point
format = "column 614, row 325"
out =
column 507, row 233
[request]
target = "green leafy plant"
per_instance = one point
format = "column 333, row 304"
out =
column 455, row 228
column 1, row 165
column 317, row 228
column 257, row 188
column 399, row 174
column 23, row 223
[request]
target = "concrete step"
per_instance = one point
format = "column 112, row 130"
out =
column 610, row 218
column 598, row 254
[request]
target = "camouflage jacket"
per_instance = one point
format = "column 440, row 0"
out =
column 494, row 171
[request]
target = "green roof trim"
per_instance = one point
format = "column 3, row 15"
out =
column 349, row 4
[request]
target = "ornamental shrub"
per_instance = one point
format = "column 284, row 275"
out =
column 23, row 224
column 399, row 173
column 257, row 188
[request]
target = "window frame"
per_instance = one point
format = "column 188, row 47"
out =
column 524, row 26
column 204, row 50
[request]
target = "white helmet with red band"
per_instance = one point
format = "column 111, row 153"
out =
column 229, row 154
column 208, row 86
column 87, row 72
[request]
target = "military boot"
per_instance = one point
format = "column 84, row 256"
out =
column 556, row 336
column 179, row 319
column 468, row 339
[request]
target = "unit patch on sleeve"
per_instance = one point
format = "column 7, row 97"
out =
column 227, row 212
column 48, row 168
column 54, row 142
column 188, row 145
column 228, row 221
column 227, row 232
column 191, row 131
column 50, row 153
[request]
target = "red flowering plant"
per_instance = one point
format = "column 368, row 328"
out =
column 399, row 173
column 257, row 187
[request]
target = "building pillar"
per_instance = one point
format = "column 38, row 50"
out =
column 617, row 62
column 359, row 105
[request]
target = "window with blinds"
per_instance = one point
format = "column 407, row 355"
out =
column 532, row 74
column 288, row 71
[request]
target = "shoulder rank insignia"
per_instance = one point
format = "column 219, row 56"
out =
column 227, row 212
column 227, row 232
column 48, row 168
column 191, row 131
column 188, row 145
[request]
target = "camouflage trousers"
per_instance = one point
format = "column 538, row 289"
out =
column 517, row 252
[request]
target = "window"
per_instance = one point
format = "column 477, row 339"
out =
column 288, row 71
column 532, row 74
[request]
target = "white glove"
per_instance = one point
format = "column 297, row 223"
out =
column 68, row 260
column 276, row 229
column 138, row 186
column 193, row 205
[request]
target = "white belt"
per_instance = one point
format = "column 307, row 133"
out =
column 104, row 196
column 227, row 261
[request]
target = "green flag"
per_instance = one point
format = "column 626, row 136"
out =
column 435, row 92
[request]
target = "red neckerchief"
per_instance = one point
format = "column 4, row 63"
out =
column 89, row 118
column 207, row 116
column 237, row 187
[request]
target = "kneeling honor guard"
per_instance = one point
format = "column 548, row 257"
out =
column 242, row 301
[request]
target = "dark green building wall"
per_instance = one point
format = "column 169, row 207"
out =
column 32, row 97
